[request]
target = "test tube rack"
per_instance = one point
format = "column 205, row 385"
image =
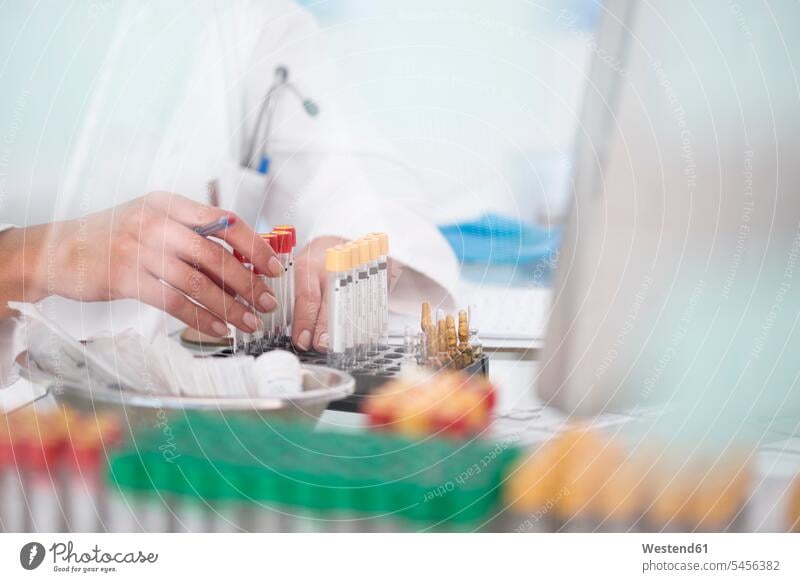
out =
column 287, row 477
column 65, row 471
column 383, row 367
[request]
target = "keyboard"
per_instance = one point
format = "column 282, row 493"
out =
column 508, row 312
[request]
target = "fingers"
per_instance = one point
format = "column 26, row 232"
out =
column 307, row 304
column 243, row 239
column 221, row 284
column 321, row 329
column 239, row 235
column 153, row 292
column 182, row 209
column 200, row 288
column 223, row 268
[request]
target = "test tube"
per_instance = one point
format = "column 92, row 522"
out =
column 352, row 303
column 34, row 446
column 425, row 340
column 39, row 457
column 793, row 508
column 290, row 288
column 269, row 319
column 243, row 341
column 422, row 352
column 409, row 362
column 533, row 489
column 361, row 318
column 267, row 518
column 465, row 353
column 86, row 502
column 190, row 514
column 337, row 264
column 284, row 242
column 441, row 334
column 374, row 304
column 452, row 341
column 121, row 510
column 383, row 276
column 225, row 516
column 475, row 344
column 425, row 319
column 12, row 488
column 347, row 306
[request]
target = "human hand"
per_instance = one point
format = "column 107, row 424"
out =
column 310, row 320
column 146, row 250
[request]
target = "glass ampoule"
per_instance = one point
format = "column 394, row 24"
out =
column 475, row 343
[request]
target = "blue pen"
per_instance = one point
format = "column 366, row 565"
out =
column 216, row 226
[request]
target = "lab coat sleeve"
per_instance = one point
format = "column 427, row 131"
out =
column 10, row 344
column 328, row 175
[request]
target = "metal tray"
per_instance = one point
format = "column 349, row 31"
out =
column 321, row 386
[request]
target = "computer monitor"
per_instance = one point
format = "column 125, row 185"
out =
column 687, row 182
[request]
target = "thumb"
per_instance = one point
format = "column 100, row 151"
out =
column 308, row 300
column 321, row 337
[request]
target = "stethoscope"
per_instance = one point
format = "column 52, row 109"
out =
column 256, row 157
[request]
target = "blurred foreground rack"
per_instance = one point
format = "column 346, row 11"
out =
column 208, row 472
column 237, row 474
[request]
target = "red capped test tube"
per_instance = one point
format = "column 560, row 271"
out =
column 290, row 288
column 283, row 251
column 86, row 499
column 270, row 319
column 38, row 445
column 242, row 341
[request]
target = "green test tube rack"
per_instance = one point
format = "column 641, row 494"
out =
column 370, row 481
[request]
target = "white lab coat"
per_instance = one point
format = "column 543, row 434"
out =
column 326, row 177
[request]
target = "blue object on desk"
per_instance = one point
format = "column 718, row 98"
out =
column 500, row 240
